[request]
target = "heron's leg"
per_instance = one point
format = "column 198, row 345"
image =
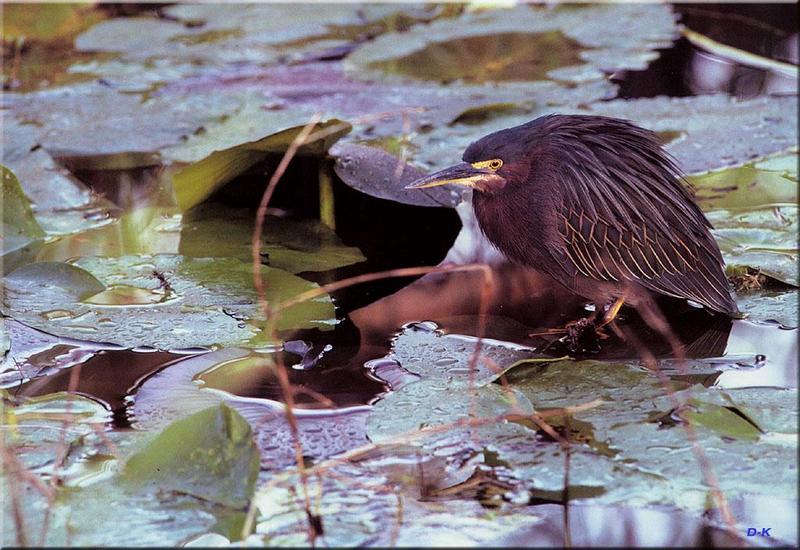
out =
column 612, row 312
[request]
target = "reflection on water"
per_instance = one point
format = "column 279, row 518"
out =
column 612, row 526
column 493, row 57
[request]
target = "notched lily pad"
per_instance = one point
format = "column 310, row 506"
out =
column 210, row 455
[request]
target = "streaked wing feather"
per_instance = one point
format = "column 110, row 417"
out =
column 626, row 215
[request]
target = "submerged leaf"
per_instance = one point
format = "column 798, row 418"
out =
column 725, row 421
column 293, row 245
column 210, row 454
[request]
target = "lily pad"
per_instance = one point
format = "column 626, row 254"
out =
column 188, row 303
column 39, row 431
column 21, row 231
column 179, row 390
column 47, row 22
column 772, row 180
column 763, row 239
column 61, row 204
column 122, row 123
column 726, row 421
column 708, row 124
column 210, row 454
column 454, row 48
column 754, row 212
column 435, row 356
column 771, row 305
column 197, row 181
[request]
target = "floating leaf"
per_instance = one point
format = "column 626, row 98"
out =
column 47, row 22
column 198, row 302
column 72, row 281
column 766, row 305
column 61, row 203
column 434, row 356
column 770, row 181
column 763, row 239
column 21, row 231
column 754, row 212
column 518, row 43
column 210, row 454
column 128, row 131
column 196, row 182
column 180, row 389
column 708, row 124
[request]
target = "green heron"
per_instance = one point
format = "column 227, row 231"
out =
column 598, row 205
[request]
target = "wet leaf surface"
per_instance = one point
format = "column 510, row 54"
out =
column 174, row 393
column 484, row 42
column 61, row 203
column 210, row 455
column 164, row 301
column 753, row 209
column 90, row 492
column 770, row 305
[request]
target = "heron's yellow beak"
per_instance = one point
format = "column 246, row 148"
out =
column 460, row 174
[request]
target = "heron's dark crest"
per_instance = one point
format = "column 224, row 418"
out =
column 596, row 203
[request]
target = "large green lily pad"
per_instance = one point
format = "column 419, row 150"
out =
column 90, row 492
column 164, row 301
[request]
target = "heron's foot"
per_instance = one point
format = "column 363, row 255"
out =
column 583, row 336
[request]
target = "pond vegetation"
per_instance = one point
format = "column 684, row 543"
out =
column 371, row 371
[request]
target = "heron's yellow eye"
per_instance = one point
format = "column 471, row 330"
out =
column 493, row 164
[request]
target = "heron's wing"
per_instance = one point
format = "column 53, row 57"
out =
column 625, row 215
